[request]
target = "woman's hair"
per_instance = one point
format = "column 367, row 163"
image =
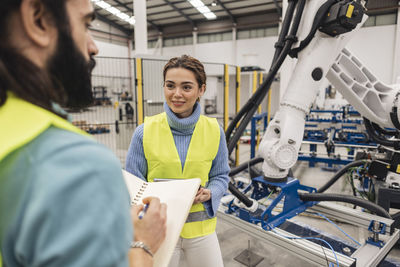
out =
column 17, row 73
column 189, row 63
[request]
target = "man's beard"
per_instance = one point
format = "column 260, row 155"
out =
column 71, row 73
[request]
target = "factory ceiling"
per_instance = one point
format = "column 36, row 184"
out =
column 169, row 16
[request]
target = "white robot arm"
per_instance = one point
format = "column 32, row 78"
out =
column 324, row 56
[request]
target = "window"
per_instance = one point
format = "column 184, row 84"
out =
column 168, row 42
column 151, row 43
column 226, row 36
column 257, row 33
column 388, row 19
column 273, row 31
column 380, row 20
column 243, row 34
column 370, row 22
column 188, row 40
column 214, row 37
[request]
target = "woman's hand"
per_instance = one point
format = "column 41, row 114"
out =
column 202, row 195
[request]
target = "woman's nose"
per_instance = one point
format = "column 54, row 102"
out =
column 178, row 91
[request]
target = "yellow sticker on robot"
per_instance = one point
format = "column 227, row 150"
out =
column 350, row 11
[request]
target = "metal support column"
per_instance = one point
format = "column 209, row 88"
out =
column 237, row 109
column 139, row 90
column 226, row 96
column 139, row 7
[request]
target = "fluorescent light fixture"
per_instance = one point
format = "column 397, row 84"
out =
column 115, row 11
column 196, row 3
column 103, row 4
column 131, row 20
column 203, row 9
column 123, row 16
column 210, row 15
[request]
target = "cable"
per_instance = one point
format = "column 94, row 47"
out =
column 278, row 51
column 245, row 165
column 378, row 210
column 242, row 197
column 337, row 226
column 245, row 200
column 310, row 238
column 285, row 29
column 259, row 95
column 340, row 173
column 378, row 138
column 318, row 19
column 383, row 131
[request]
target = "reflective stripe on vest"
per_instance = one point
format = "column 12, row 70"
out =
column 21, row 122
column 163, row 162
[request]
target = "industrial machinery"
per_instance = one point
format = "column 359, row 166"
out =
column 316, row 32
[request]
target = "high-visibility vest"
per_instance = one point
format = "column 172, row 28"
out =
column 163, row 162
column 21, row 122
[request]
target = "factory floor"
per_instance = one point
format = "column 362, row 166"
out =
column 234, row 241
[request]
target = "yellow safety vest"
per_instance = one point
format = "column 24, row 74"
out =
column 163, row 162
column 21, row 122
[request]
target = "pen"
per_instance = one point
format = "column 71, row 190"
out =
column 143, row 211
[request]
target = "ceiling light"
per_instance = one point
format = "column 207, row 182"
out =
column 103, row 4
column 214, row 3
column 204, row 9
column 115, row 11
column 131, row 20
column 210, row 15
column 196, row 3
column 123, row 16
column 199, row 5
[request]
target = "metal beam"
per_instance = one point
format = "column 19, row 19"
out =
column 180, row 12
column 230, row 9
column 131, row 10
column 227, row 11
column 162, row 5
column 278, row 8
column 114, row 24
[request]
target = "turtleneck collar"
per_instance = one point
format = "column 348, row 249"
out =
column 185, row 124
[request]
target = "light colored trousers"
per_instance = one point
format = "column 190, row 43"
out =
column 197, row 252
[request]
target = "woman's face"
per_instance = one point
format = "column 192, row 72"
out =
column 181, row 91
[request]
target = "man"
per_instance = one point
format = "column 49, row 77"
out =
column 63, row 201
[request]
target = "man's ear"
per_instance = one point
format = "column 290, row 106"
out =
column 37, row 23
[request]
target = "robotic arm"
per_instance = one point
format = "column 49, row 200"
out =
column 324, row 27
column 325, row 55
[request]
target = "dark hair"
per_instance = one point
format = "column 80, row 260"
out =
column 20, row 75
column 189, row 63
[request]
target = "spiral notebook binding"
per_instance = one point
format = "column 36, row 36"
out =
column 139, row 193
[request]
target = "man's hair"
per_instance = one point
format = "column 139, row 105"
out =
column 20, row 75
column 189, row 63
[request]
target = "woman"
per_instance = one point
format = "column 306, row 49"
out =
column 182, row 144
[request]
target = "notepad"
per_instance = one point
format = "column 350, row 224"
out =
column 178, row 195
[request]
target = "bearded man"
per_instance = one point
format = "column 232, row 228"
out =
column 63, row 201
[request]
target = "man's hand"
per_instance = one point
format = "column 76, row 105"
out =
column 151, row 229
column 202, row 195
